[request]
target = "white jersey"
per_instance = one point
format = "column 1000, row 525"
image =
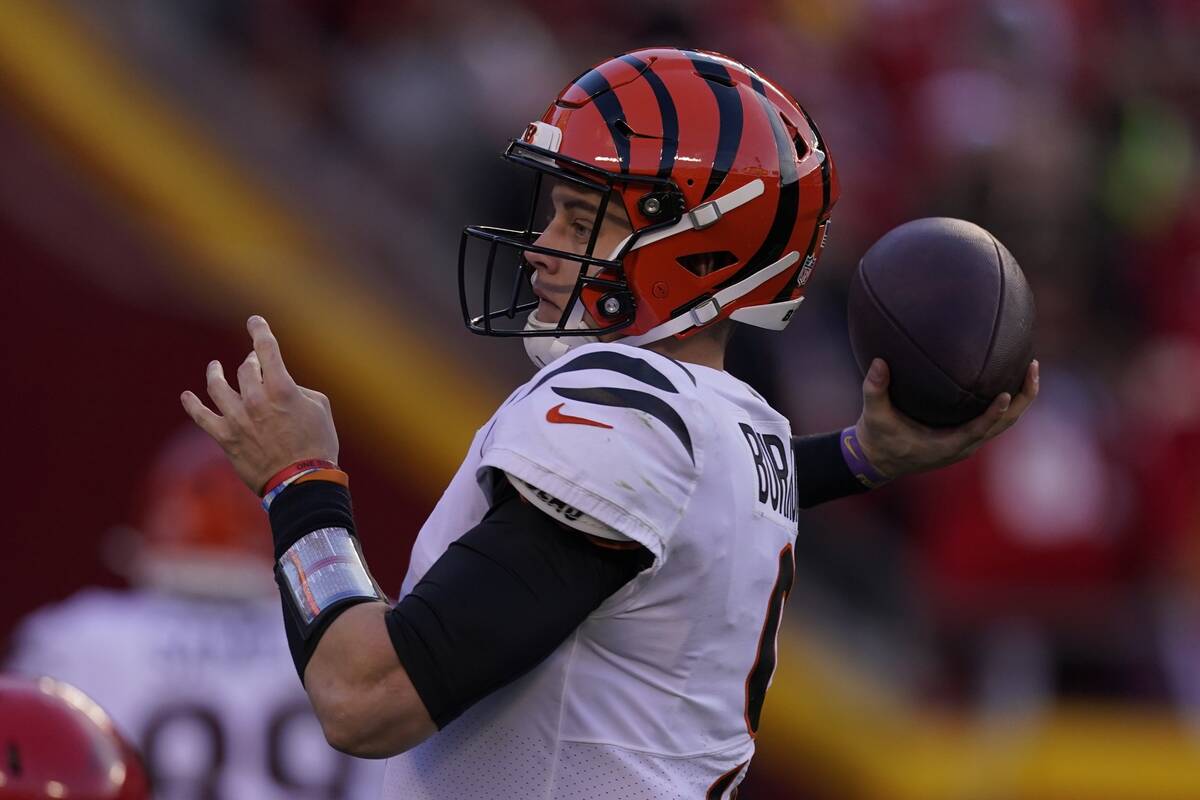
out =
column 205, row 689
column 657, row 693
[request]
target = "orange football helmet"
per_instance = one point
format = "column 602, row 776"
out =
column 712, row 164
column 202, row 531
column 59, row 743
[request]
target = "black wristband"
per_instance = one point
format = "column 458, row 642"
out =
column 821, row 471
column 306, row 507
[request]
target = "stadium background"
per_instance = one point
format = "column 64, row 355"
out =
column 1023, row 625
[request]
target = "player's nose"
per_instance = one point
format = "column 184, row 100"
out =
column 540, row 261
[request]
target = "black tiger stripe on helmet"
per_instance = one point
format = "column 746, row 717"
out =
column 667, row 112
column 729, row 109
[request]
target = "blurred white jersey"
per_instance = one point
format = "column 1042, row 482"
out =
column 205, row 689
column 657, row 693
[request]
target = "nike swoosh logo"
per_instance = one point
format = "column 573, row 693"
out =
column 554, row 415
column 849, row 442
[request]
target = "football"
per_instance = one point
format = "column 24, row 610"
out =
column 948, row 308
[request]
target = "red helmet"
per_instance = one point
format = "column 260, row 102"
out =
column 58, row 743
column 712, row 164
column 202, row 531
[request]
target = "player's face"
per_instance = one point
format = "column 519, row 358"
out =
column 569, row 217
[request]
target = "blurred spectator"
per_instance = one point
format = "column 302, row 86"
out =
column 192, row 660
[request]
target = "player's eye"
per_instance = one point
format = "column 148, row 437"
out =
column 581, row 230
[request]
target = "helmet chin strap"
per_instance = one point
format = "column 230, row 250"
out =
column 774, row 315
column 544, row 349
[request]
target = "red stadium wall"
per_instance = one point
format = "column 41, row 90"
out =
column 91, row 393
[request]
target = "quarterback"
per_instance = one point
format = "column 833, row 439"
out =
column 591, row 609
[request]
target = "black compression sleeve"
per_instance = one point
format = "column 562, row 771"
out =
column 821, row 471
column 499, row 601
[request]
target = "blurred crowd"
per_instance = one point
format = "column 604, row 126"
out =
column 1064, row 559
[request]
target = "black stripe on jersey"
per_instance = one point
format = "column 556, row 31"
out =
column 686, row 371
column 597, row 87
column 729, row 106
column 628, row 366
column 641, row 401
column 666, row 108
column 722, row 784
column 784, row 222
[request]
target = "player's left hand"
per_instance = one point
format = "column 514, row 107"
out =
column 897, row 445
column 268, row 422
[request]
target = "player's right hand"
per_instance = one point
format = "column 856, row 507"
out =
column 898, row 445
column 269, row 422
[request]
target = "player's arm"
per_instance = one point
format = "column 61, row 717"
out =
column 360, row 692
column 885, row 444
column 498, row 602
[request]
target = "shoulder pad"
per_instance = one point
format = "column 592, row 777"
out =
column 617, row 432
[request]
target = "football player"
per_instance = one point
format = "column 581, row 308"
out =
column 188, row 660
column 591, row 608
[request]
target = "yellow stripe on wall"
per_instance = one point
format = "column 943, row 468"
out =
column 233, row 240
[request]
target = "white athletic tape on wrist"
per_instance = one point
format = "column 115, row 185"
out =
column 323, row 568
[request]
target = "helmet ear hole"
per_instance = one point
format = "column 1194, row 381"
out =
column 615, row 304
column 662, row 206
column 701, row 264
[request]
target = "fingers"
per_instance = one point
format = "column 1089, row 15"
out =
column 313, row 394
column 227, row 401
column 875, row 386
column 994, row 415
column 207, row 421
column 1018, row 405
column 275, row 374
column 1029, row 391
column 249, row 376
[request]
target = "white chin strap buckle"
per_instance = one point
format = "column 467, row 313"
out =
column 705, row 313
column 703, row 216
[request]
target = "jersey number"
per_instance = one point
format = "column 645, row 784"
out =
column 764, row 664
column 194, row 727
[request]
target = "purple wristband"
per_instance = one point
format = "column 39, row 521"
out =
column 856, row 460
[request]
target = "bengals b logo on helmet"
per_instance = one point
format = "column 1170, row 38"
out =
column 755, row 177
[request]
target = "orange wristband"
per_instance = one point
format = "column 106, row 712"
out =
column 295, row 469
column 331, row 475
